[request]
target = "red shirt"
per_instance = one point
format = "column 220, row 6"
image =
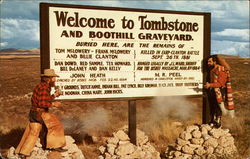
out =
column 218, row 77
column 41, row 97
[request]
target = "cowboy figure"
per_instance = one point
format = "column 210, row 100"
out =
column 39, row 117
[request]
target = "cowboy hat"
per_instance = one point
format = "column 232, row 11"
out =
column 49, row 73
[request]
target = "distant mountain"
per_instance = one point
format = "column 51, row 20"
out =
column 26, row 51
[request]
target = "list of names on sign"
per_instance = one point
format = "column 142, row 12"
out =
column 114, row 53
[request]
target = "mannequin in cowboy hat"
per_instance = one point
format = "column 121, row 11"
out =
column 39, row 117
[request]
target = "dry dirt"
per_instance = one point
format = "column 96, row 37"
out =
column 89, row 122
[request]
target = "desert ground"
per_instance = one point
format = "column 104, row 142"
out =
column 90, row 122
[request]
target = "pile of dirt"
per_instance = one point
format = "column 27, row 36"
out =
column 119, row 146
column 203, row 141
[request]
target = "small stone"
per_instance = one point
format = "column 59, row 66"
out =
column 111, row 149
column 216, row 133
column 178, row 148
column 211, row 156
column 113, row 140
column 196, row 134
column 187, row 149
column 196, row 157
column 209, row 150
column 206, row 126
column 192, row 128
column 177, row 153
column 226, row 131
column 182, row 142
column 219, row 151
column 210, row 142
column 200, row 151
column 11, row 153
column 121, row 135
column 205, row 136
column 230, row 151
column 196, row 141
column 186, row 156
column 107, row 155
column 125, row 149
column 69, row 140
column 204, row 130
column 102, row 149
column 100, row 157
column 138, row 153
column 185, row 136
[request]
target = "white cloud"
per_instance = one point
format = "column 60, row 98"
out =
column 17, row 28
column 22, row 32
column 239, row 33
column 4, row 44
column 230, row 48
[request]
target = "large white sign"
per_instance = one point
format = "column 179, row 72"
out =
column 102, row 53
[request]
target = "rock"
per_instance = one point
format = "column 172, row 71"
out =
column 200, row 151
column 119, row 146
column 69, row 140
column 178, row 147
column 185, row 136
column 102, row 149
column 187, row 149
column 138, row 153
column 11, row 153
column 206, row 126
column 219, row 151
column 111, row 149
column 107, row 155
column 197, row 141
column 192, row 128
column 211, row 156
column 211, row 142
column 177, row 153
column 216, row 133
column 196, row 157
column 196, row 134
column 204, row 130
column 205, row 142
column 125, row 149
column 205, row 136
column 38, row 153
column 182, row 142
column 209, row 150
column 194, row 146
column 230, row 150
column 100, row 157
column 113, row 140
column 121, row 135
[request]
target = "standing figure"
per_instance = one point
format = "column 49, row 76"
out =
column 219, row 89
column 39, row 117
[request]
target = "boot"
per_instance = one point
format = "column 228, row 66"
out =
column 218, row 122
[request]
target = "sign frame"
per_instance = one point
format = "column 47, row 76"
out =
column 45, row 41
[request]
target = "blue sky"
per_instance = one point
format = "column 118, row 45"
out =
column 19, row 27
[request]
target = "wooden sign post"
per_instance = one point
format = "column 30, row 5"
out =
column 132, row 121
